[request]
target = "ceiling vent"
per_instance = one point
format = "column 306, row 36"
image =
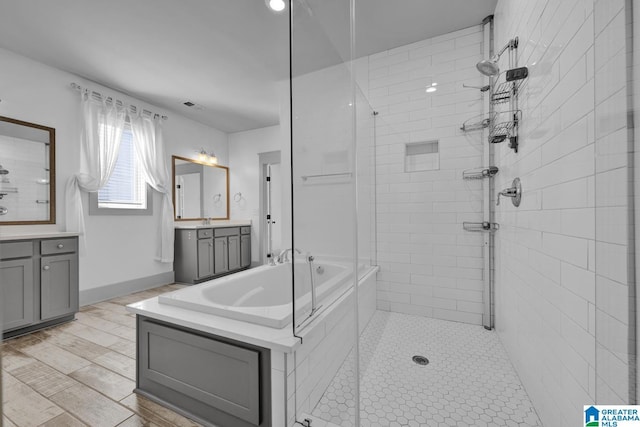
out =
column 189, row 104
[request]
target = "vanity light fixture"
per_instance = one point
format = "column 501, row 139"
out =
column 202, row 155
column 276, row 5
column 205, row 157
column 213, row 159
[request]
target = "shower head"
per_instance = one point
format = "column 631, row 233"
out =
column 489, row 67
column 3, row 171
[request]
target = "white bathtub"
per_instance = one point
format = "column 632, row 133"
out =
column 262, row 295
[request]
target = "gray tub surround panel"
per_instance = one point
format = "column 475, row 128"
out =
column 205, row 252
column 210, row 378
column 38, row 281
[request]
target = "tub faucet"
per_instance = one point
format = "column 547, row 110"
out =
column 284, row 255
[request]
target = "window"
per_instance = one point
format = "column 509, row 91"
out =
column 126, row 192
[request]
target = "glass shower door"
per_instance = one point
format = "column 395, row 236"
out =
column 323, row 228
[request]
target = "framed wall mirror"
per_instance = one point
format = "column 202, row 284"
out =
column 200, row 190
column 27, row 173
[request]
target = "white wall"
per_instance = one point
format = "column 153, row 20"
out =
column 562, row 272
column 244, row 176
column 119, row 248
column 429, row 265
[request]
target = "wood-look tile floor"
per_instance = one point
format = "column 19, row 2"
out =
column 81, row 373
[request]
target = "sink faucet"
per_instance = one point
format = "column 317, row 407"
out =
column 284, row 255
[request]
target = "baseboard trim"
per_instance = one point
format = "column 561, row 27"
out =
column 103, row 293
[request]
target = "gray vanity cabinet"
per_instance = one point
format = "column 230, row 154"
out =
column 221, row 263
column 58, row 286
column 245, row 247
column 204, row 253
column 205, row 258
column 38, row 283
column 16, row 279
column 234, row 252
column 227, row 249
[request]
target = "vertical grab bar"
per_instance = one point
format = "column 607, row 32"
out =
column 310, row 259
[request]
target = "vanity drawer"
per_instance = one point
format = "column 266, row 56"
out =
column 205, row 233
column 230, row 231
column 16, row 250
column 245, row 230
column 58, row 246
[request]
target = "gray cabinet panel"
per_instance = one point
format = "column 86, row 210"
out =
column 205, row 233
column 58, row 285
column 16, row 250
column 221, row 255
column 185, row 263
column 221, row 375
column 234, row 252
column 231, row 231
column 245, row 250
column 205, row 258
column 58, row 246
column 16, row 296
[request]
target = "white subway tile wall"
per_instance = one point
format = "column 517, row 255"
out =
column 429, row 265
column 562, row 298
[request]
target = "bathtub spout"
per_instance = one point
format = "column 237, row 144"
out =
column 284, row 255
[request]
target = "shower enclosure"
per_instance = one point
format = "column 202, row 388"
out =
column 481, row 313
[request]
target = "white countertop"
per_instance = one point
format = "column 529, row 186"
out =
column 192, row 225
column 4, row 236
column 274, row 339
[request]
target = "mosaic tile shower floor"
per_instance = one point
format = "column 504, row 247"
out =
column 468, row 382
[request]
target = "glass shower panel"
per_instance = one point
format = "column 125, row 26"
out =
column 366, row 180
column 323, row 182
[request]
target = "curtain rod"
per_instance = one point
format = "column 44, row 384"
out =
column 119, row 103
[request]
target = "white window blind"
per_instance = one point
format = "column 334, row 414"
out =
column 126, row 188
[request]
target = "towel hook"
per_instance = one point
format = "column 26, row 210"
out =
column 237, row 197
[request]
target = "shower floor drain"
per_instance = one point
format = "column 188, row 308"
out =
column 420, row 360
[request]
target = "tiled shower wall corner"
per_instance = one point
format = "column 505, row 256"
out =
column 429, row 266
column 562, row 297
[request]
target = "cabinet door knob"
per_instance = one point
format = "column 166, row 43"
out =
column 46, row 267
column 210, row 244
column 60, row 246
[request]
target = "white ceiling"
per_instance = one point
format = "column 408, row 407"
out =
column 224, row 55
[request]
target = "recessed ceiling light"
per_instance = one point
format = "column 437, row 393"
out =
column 434, row 84
column 276, row 5
column 431, row 89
